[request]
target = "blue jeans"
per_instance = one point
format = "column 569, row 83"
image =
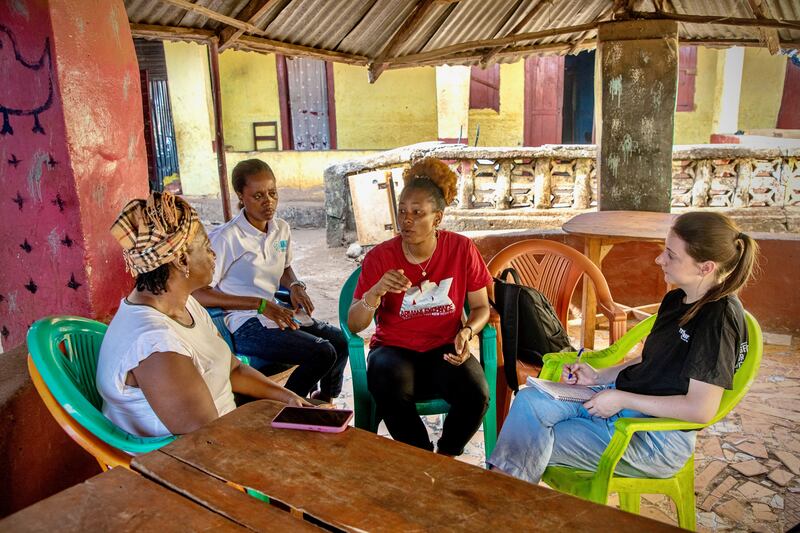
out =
column 540, row 431
column 319, row 350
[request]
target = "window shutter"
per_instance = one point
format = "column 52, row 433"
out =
column 687, row 72
column 484, row 88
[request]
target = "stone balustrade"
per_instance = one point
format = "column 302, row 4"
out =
column 564, row 177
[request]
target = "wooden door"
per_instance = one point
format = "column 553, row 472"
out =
column 789, row 115
column 544, row 99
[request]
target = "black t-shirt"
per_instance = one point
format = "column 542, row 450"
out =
column 709, row 348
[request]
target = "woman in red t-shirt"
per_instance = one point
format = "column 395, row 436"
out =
column 415, row 286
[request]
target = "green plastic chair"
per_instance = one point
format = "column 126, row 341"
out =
column 366, row 416
column 596, row 486
column 64, row 350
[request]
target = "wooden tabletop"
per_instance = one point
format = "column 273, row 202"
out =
column 358, row 481
column 118, row 500
column 628, row 225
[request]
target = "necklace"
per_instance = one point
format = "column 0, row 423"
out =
column 418, row 262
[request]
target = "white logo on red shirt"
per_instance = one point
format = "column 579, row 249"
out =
column 429, row 299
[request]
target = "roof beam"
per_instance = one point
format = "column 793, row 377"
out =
column 720, row 20
column 602, row 17
column 489, row 57
column 488, row 43
column 565, row 48
column 208, row 13
column 258, row 44
column 376, row 68
column 251, row 13
column 170, row 33
column 770, row 36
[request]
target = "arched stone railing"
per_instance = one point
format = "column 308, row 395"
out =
column 564, row 177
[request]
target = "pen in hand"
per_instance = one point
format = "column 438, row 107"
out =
column 580, row 353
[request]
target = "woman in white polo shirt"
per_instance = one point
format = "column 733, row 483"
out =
column 254, row 259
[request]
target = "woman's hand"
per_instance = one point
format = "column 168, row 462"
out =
column 605, row 403
column 282, row 316
column 579, row 374
column 297, row 401
column 461, row 344
column 299, row 298
column 391, row 281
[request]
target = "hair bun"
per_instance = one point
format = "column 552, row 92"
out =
column 438, row 172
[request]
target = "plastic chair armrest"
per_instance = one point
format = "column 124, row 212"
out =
column 632, row 425
column 624, row 430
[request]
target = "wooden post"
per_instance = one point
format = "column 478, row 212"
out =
column 219, row 139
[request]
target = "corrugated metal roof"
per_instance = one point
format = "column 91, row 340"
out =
column 363, row 28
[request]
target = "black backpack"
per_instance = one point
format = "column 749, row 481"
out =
column 528, row 325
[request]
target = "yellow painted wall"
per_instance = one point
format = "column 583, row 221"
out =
column 298, row 170
column 505, row 128
column 249, row 84
column 695, row 127
column 398, row 109
column 190, row 98
column 762, row 89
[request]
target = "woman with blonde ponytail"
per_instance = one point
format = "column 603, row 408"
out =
column 698, row 341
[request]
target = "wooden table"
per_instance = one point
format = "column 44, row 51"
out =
column 120, row 500
column 601, row 230
column 358, row 481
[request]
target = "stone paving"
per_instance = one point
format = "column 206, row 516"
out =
column 747, row 465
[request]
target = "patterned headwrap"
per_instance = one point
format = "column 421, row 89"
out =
column 153, row 232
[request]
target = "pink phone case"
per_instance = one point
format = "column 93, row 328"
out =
column 312, row 427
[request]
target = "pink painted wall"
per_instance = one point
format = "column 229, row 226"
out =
column 65, row 179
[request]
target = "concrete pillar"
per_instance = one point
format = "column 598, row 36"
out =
column 731, row 90
column 639, row 73
column 452, row 102
column 71, row 155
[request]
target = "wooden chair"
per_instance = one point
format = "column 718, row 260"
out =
column 554, row 269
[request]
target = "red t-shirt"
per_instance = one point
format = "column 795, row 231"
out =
column 428, row 315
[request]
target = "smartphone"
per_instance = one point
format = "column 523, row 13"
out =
column 313, row 419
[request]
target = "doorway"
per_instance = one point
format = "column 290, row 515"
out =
column 559, row 99
column 578, row 109
column 308, row 115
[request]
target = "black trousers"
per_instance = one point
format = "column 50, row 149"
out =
column 398, row 377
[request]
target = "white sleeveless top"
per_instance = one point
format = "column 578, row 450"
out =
column 140, row 330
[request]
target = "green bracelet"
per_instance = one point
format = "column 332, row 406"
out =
column 262, row 306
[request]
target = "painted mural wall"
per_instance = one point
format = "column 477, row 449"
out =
column 504, row 128
column 71, row 127
column 190, row 98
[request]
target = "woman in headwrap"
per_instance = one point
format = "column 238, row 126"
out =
column 163, row 368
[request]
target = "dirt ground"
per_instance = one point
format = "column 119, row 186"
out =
column 747, row 466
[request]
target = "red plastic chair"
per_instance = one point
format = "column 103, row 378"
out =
column 554, row 269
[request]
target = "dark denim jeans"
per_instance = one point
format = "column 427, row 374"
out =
column 319, row 350
column 398, row 377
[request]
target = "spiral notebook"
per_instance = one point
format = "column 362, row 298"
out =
column 563, row 391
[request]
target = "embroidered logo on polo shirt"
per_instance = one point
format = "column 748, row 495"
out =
column 281, row 246
column 684, row 335
column 429, row 299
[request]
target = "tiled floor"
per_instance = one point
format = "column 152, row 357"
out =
column 747, row 466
